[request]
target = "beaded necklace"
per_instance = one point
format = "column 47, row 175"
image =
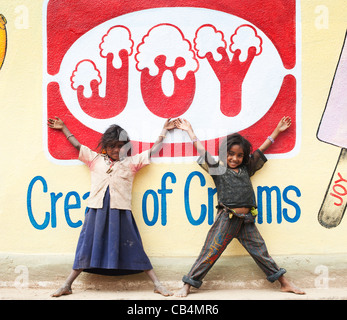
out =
column 110, row 163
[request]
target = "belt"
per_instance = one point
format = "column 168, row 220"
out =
column 232, row 212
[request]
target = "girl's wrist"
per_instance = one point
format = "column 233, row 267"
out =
column 65, row 130
column 193, row 137
column 276, row 133
column 69, row 136
column 273, row 135
column 272, row 140
column 163, row 133
column 190, row 132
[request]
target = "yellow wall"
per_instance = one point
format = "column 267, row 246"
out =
column 323, row 24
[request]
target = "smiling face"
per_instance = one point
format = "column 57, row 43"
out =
column 235, row 156
column 113, row 150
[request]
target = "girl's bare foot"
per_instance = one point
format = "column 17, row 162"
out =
column 184, row 291
column 159, row 288
column 286, row 286
column 64, row 290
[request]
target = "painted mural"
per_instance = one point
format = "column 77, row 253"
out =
column 136, row 63
column 3, row 39
column 332, row 130
column 225, row 68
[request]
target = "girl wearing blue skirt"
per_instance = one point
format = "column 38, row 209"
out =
column 110, row 242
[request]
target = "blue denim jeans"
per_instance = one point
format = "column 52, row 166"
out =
column 220, row 235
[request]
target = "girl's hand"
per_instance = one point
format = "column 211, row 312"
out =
column 183, row 124
column 284, row 124
column 57, row 124
column 169, row 125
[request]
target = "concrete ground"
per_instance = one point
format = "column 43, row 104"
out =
column 35, row 277
column 202, row 295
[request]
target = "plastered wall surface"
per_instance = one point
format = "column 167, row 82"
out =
column 44, row 189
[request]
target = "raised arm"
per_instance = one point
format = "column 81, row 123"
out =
column 282, row 126
column 58, row 124
column 168, row 125
column 183, row 124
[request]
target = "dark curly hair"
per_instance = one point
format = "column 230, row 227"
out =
column 235, row 139
column 113, row 134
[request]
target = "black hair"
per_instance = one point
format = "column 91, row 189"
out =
column 112, row 134
column 235, row 139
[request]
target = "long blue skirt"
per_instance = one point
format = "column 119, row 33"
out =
column 110, row 243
